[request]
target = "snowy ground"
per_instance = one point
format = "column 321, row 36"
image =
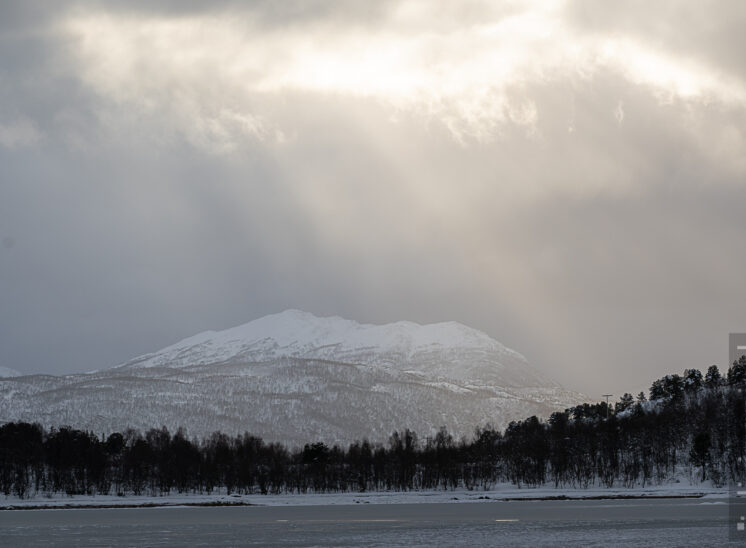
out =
column 506, row 492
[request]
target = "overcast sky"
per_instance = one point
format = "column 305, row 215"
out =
column 569, row 177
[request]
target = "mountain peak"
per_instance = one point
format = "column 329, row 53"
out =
column 446, row 349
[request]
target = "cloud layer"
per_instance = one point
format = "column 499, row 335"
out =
column 565, row 177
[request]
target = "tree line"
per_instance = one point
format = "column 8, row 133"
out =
column 690, row 423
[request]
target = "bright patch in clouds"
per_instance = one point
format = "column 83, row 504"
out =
column 207, row 73
column 668, row 76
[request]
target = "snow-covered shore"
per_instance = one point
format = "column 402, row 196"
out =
column 709, row 495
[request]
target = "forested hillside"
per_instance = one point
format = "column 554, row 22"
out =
column 690, row 424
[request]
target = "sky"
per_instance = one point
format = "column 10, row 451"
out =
column 567, row 176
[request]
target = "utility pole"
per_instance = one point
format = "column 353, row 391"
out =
column 607, row 396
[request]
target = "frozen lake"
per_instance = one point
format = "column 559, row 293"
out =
column 659, row 522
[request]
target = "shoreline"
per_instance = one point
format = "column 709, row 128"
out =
column 65, row 502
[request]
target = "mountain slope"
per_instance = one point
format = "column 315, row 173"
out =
column 8, row 372
column 293, row 377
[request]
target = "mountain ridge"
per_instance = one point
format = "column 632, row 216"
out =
column 294, row 377
column 337, row 327
column 8, row 372
column 298, row 334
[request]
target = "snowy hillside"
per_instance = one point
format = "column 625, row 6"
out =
column 8, row 372
column 294, row 377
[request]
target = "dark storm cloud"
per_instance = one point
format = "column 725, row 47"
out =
column 583, row 213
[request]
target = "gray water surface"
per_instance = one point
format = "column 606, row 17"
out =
column 662, row 522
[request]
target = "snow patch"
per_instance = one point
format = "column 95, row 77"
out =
column 6, row 372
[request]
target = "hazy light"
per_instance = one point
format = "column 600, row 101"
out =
column 467, row 74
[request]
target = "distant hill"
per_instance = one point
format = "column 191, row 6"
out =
column 8, row 372
column 295, row 377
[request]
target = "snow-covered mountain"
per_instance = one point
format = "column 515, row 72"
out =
column 450, row 350
column 295, row 377
column 8, row 372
